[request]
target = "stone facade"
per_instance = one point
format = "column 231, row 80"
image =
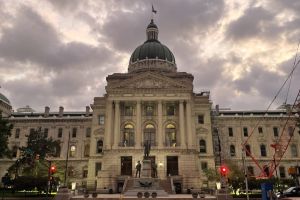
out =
column 151, row 103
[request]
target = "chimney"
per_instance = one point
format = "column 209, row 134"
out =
column 61, row 111
column 87, row 111
column 217, row 110
column 47, row 110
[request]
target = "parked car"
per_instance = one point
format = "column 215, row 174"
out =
column 291, row 192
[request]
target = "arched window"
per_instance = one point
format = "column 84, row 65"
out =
column 202, row 144
column 282, row 172
column 250, row 171
column 232, row 150
column 248, row 150
column 72, row 152
column 294, row 150
column 171, row 135
column 99, row 146
column 266, row 170
column 15, row 151
column 128, row 135
column 149, row 134
column 291, row 131
column 263, row 151
column 86, row 150
column 56, row 151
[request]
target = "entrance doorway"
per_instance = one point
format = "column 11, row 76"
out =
column 172, row 165
column 126, row 166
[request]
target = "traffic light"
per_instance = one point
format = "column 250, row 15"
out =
column 223, row 170
column 52, row 169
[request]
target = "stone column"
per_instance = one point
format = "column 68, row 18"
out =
column 138, row 134
column 117, row 125
column 108, row 124
column 181, row 124
column 189, row 122
column 160, row 137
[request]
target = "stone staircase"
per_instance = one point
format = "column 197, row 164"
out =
column 134, row 185
column 166, row 185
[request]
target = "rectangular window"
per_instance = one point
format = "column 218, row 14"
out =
column 250, row 171
column 204, row 165
column 245, row 131
column 170, row 110
column 275, row 131
column 200, row 119
column 17, row 135
column 74, row 132
column 149, row 110
column 98, row 167
column 282, row 172
column 260, row 130
column 128, row 111
column 32, row 130
column 230, row 132
column 101, row 120
column 88, row 132
column 85, row 173
column 46, row 132
column 59, row 133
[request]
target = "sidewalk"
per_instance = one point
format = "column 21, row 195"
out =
column 118, row 196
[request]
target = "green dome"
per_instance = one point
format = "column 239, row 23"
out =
column 152, row 55
column 4, row 99
column 152, row 49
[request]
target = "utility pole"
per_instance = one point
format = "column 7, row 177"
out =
column 67, row 160
column 243, row 158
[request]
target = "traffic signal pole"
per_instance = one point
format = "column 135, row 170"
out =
column 49, row 175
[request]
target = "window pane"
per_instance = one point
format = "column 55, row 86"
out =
column 200, row 119
column 101, row 120
column 88, row 132
column 170, row 110
column 74, row 132
column 230, row 132
column 60, row 131
column 245, row 131
column 202, row 145
column 275, row 131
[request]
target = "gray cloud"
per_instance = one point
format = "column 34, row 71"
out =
column 30, row 31
column 255, row 22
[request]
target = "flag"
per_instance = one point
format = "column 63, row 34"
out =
column 154, row 11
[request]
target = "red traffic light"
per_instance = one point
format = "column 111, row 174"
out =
column 53, row 169
column 223, row 170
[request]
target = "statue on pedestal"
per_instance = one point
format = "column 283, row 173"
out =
column 147, row 147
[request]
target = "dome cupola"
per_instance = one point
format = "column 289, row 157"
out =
column 152, row 55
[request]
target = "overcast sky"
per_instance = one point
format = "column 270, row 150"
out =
column 59, row 52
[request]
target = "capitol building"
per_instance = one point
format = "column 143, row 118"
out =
column 155, row 102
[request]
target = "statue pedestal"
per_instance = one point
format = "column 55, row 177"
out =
column 146, row 169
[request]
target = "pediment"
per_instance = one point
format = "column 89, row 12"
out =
column 201, row 130
column 99, row 131
column 149, row 81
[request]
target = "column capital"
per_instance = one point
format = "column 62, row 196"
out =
column 116, row 101
column 181, row 101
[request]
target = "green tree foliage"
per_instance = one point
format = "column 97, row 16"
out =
column 32, row 160
column 235, row 176
column 5, row 132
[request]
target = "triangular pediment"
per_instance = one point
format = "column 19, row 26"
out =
column 149, row 80
column 201, row 130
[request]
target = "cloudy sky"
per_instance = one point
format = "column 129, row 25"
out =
column 58, row 53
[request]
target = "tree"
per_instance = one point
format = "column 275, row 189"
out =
column 211, row 174
column 235, row 176
column 5, row 132
column 32, row 161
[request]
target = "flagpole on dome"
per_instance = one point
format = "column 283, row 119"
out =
column 153, row 12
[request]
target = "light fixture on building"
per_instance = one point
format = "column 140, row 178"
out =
column 160, row 164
